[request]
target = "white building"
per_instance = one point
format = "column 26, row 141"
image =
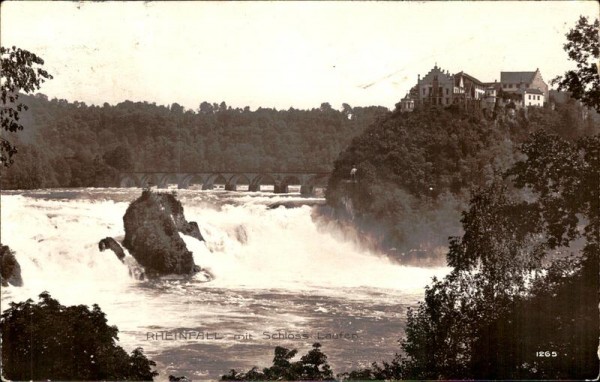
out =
column 533, row 97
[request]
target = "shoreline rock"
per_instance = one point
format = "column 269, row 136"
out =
column 10, row 269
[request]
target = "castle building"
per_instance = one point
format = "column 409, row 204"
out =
column 439, row 88
column 436, row 88
column 469, row 91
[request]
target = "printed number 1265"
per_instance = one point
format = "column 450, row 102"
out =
column 546, row 354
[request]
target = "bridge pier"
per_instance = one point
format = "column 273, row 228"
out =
column 254, row 187
column 231, row 187
column 208, row 186
column 306, row 190
column 280, row 189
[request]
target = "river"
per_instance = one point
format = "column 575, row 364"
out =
column 281, row 279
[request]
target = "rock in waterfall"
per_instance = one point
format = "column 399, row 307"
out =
column 152, row 226
column 10, row 270
column 113, row 245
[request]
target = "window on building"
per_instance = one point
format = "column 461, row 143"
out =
column 504, row 86
column 424, row 91
column 529, row 96
column 538, row 98
column 447, row 91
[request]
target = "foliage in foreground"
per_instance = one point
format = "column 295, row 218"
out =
column 583, row 48
column 21, row 72
column 312, row 366
column 522, row 299
column 50, row 341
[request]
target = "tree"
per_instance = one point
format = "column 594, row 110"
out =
column 325, row 106
column 315, row 366
column 177, row 108
column 222, row 107
column 514, row 291
column 583, row 48
column 20, row 73
column 312, row 366
column 120, row 158
column 65, row 343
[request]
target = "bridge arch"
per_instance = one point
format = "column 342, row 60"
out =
column 148, row 180
column 215, row 178
column 288, row 180
column 236, row 180
column 262, row 180
column 165, row 180
column 193, row 180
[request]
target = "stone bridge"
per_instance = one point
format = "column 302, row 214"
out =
column 229, row 179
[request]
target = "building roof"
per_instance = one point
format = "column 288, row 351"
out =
column 437, row 71
column 517, row 77
column 414, row 92
column 493, row 85
column 534, row 91
column 469, row 77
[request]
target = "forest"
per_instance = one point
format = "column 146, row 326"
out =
column 71, row 144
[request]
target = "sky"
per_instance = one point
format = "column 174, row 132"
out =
column 282, row 54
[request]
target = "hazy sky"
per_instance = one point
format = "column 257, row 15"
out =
column 282, row 54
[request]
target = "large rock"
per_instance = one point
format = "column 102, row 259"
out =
column 152, row 223
column 10, row 270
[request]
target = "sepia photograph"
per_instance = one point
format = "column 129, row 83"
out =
column 299, row 190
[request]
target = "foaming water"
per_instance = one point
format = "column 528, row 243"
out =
column 56, row 244
column 250, row 245
column 274, row 268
